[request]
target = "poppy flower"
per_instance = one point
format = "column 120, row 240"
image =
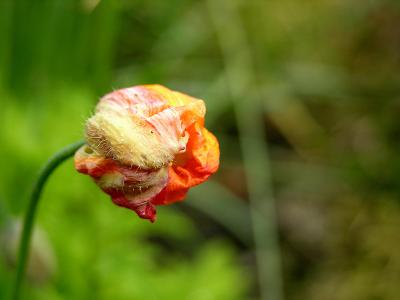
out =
column 147, row 146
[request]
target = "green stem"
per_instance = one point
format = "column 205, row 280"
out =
column 44, row 174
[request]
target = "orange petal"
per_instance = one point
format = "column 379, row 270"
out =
column 129, row 187
column 200, row 160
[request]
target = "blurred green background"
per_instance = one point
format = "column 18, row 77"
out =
column 304, row 97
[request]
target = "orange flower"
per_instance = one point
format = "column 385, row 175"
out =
column 146, row 146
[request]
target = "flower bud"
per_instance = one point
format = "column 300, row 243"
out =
column 147, row 145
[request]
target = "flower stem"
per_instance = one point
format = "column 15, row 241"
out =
column 44, row 174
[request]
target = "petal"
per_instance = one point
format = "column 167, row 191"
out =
column 90, row 163
column 169, row 126
column 193, row 167
column 129, row 187
column 145, row 210
column 139, row 101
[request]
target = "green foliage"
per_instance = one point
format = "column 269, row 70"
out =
column 103, row 251
column 327, row 73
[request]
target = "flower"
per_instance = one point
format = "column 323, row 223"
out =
column 146, row 146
